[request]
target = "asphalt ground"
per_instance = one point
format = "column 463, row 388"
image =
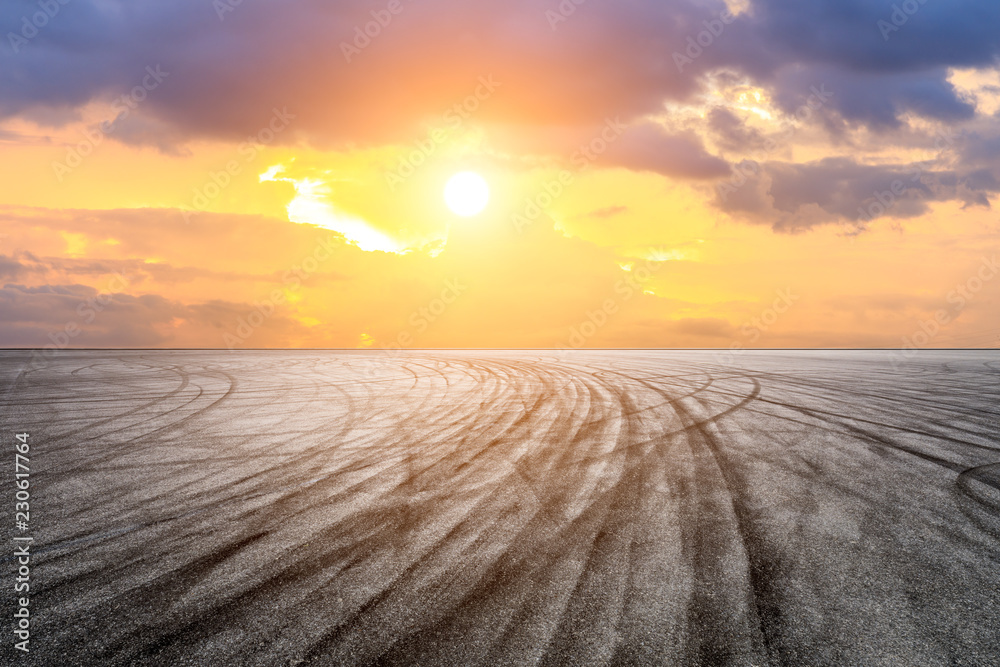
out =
column 506, row 507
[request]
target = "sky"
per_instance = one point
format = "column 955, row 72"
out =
column 661, row 173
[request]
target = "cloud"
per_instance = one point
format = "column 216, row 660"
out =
column 647, row 147
column 731, row 133
column 981, row 149
column 226, row 75
column 82, row 316
column 793, row 197
column 50, row 314
column 10, row 268
column 874, row 99
column 846, row 33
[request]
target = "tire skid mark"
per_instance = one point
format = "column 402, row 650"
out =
column 455, row 508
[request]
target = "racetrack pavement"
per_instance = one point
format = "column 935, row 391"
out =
column 508, row 507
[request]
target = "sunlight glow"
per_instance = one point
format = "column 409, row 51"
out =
column 311, row 206
column 466, row 193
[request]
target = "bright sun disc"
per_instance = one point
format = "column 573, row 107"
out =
column 466, row 193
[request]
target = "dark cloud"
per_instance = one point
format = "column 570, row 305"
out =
column 81, row 316
column 847, row 33
column 647, row 147
column 980, row 149
column 874, row 99
column 731, row 133
column 226, row 75
column 10, row 268
column 878, row 74
column 797, row 196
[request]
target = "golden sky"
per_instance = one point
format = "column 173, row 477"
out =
column 660, row 174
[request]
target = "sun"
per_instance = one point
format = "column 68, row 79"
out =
column 466, row 193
